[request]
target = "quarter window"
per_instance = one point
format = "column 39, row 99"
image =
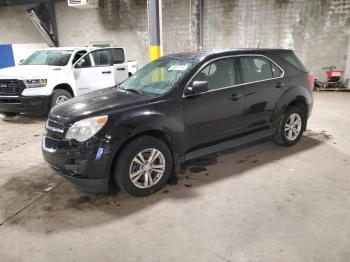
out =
column 258, row 68
column 218, row 74
column 276, row 72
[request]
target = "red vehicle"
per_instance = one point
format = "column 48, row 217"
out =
column 334, row 77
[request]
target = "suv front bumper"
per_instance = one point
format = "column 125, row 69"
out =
column 37, row 105
column 79, row 164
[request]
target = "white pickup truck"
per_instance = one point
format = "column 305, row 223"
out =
column 51, row 76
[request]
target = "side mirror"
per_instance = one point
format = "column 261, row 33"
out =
column 80, row 63
column 21, row 61
column 197, row 87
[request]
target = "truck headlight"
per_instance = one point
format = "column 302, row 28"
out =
column 35, row 83
column 86, row 128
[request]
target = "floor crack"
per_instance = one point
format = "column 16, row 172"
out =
column 42, row 194
column 20, row 210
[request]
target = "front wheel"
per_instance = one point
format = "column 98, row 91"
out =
column 59, row 96
column 291, row 126
column 144, row 166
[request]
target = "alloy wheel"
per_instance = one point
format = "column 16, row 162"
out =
column 147, row 168
column 293, row 127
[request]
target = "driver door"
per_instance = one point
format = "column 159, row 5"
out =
column 94, row 71
column 217, row 113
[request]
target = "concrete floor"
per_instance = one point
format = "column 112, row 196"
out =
column 261, row 203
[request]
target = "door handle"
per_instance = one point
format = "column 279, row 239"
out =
column 235, row 97
column 121, row 68
column 106, row 72
column 279, row 85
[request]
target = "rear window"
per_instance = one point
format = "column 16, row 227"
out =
column 293, row 60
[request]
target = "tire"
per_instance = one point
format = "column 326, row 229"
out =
column 282, row 136
column 10, row 114
column 127, row 165
column 57, row 95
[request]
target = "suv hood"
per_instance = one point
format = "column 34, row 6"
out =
column 96, row 102
column 27, row 71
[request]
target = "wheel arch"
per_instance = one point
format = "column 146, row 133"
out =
column 159, row 134
column 297, row 96
column 300, row 101
column 65, row 86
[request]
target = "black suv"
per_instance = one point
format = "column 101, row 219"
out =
column 179, row 107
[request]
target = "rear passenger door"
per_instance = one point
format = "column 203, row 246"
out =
column 120, row 63
column 262, row 85
column 103, row 61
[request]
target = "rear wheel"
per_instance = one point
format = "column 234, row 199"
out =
column 59, row 96
column 144, row 166
column 291, row 126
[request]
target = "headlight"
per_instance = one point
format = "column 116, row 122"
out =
column 86, row 128
column 34, row 83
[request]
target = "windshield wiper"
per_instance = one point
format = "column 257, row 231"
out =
column 131, row 90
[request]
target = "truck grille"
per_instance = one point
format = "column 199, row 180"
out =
column 51, row 143
column 54, row 126
column 11, row 87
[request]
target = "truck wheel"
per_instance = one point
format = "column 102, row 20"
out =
column 10, row 114
column 144, row 166
column 291, row 126
column 59, row 96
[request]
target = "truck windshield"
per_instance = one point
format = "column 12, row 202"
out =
column 49, row 57
column 157, row 77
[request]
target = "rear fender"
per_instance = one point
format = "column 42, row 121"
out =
column 294, row 94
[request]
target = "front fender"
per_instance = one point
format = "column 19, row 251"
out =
column 139, row 122
column 132, row 124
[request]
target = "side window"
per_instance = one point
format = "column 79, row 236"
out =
column 84, row 62
column 276, row 72
column 258, row 68
column 102, row 57
column 78, row 55
column 218, row 74
column 118, row 56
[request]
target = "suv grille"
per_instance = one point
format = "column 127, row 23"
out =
column 11, row 87
column 54, row 126
column 50, row 143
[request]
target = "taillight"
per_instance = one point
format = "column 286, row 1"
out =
column 310, row 81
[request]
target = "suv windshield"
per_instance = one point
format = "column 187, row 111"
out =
column 49, row 57
column 157, row 77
